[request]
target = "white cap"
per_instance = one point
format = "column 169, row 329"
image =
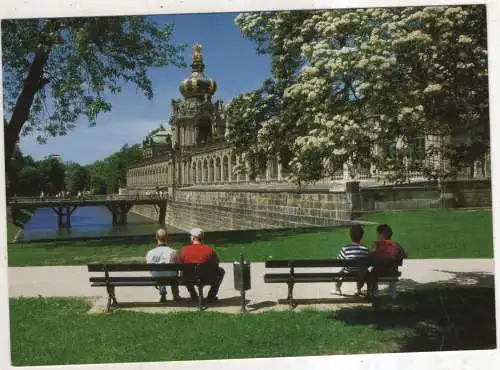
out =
column 196, row 232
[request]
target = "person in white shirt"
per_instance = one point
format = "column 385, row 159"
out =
column 162, row 253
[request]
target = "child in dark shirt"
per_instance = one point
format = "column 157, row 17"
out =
column 384, row 249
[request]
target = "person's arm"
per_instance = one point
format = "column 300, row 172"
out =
column 402, row 252
column 176, row 258
column 341, row 255
column 215, row 257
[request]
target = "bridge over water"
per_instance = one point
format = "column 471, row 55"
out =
column 118, row 205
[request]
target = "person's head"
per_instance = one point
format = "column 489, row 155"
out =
column 196, row 234
column 161, row 236
column 384, row 232
column 356, row 233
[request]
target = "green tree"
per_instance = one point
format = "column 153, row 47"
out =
column 111, row 173
column 52, row 175
column 354, row 80
column 97, row 177
column 76, row 178
column 73, row 64
column 250, row 115
column 15, row 175
column 28, row 183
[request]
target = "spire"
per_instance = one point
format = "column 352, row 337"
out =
column 197, row 65
column 197, row 85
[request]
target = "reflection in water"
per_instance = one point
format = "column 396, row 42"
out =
column 85, row 222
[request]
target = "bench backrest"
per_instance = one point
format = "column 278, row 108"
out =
column 190, row 271
column 331, row 263
column 127, row 267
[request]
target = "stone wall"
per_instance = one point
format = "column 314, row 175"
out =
column 230, row 210
column 257, row 208
column 399, row 198
column 473, row 193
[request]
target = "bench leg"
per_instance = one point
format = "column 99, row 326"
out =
column 290, row 294
column 393, row 289
column 108, row 304
column 111, row 298
column 200, row 297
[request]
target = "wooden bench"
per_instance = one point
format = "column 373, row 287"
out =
column 291, row 277
column 199, row 275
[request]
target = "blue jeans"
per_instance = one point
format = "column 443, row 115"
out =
column 163, row 290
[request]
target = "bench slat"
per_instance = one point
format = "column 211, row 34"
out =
column 149, row 280
column 141, row 267
column 328, row 263
column 133, row 278
column 131, row 284
column 319, row 277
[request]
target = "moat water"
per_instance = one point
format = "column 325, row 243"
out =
column 86, row 222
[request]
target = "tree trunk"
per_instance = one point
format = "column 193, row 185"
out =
column 33, row 83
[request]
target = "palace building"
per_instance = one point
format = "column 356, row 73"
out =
column 198, row 152
column 195, row 151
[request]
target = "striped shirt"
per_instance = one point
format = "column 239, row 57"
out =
column 353, row 251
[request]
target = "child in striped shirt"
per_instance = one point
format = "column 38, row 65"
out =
column 353, row 250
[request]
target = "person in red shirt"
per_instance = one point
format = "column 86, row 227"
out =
column 384, row 249
column 197, row 252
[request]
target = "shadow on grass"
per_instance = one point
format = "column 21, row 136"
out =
column 184, row 303
column 261, row 305
column 440, row 316
column 344, row 299
column 211, row 237
column 22, row 217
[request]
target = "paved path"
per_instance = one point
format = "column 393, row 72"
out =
column 72, row 281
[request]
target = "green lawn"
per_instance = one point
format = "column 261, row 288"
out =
column 53, row 331
column 13, row 229
column 424, row 234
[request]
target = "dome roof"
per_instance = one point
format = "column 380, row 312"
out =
column 160, row 137
column 197, row 86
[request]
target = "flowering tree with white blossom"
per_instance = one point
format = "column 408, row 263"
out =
column 347, row 82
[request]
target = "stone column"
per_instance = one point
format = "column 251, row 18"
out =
column 247, row 170
column 229, row 168
column 345, row 174
column 280, row 170
column 354, row 200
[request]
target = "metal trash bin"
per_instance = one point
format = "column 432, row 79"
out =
column 242, row 280
column 241, row 275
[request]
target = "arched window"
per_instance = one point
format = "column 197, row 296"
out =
column 211, row 170
column 218, row 173
column 225, row 169
column 205, row 170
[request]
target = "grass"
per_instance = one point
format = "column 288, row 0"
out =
column 42, row 328
column 14, row 228
column 423, row 233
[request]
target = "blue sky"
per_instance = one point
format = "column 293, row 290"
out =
column 229, row 59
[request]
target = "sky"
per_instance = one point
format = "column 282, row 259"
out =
column 229, row 59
